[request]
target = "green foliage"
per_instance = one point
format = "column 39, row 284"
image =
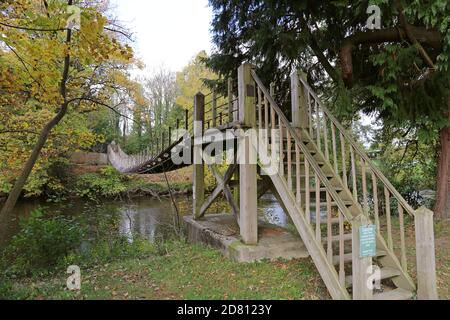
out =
column 107, row 250
column 48, row 243
column 42, row 244
column 108, row 183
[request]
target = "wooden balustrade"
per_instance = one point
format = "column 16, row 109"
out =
column 305, row 180
column 357, row 171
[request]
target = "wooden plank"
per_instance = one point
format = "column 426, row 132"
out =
column 248, row 194
column 334, row 146
column 230, row 100
column 360, row 265
column 199, row 166
column 221, row 187
column 280, row 127
column 341, row 249
column 329, row 230
column 375, row 201
column 307, row 193
column 299, row 101
column 344, row 162
column 425, row 254
column 387, row 200
column 353, row 165
column 298, row 173
column 248, row 167
column 247, row 96
column 289, row 160
column 402, row 238
column 318, row 130
column 364, row 187
column 260, row 113
column 318, row 217
column 325, row 133
column 214, row 108
column 266, row 119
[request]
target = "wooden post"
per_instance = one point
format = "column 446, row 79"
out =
column 425, row 255
column 247, row 165
column 230, row 100
column 360, row 266
column 299, row 101
column 186, row 119
column 247, row 96
column 199, row 166
column 214, row 108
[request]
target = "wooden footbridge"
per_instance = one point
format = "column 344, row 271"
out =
column 324, row 181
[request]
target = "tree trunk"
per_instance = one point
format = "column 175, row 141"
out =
column 42, row 139
column 442, row 206
column 28, row 167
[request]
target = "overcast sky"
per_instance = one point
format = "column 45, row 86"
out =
column 167, row 32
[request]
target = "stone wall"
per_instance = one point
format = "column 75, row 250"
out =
column 89, row 158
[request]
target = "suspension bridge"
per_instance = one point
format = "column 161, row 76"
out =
column 325, row 182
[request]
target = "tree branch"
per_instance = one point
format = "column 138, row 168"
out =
column 317, row 51
column 423, row 35
column 407, row 27
column 104, row 105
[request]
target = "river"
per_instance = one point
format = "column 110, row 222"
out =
column 148, row 217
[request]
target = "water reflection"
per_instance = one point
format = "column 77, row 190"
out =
column 150, row 218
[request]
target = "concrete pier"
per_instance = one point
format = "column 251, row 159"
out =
column 222, row 232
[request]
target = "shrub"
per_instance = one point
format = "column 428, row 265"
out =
column 42, row 244
column 108, row 183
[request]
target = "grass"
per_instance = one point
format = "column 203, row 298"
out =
column 442, row 249
column 182, row 271
column 177, row 270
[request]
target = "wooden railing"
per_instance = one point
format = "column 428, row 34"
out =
column 301, row 168
column 218, row 111
column 370, row 188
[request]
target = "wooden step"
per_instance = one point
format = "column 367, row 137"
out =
column 348, row 257
column 312, row 189
column 396, row 294
column 386, row 273
column 302, row 162
column 347, row 237
column 303, row 176
column 325, row 221
column 333, row 203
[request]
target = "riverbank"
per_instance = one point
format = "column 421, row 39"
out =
column 177, row 270
column 95, row 182
column 182, row 271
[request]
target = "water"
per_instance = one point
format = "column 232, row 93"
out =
column 150, row 218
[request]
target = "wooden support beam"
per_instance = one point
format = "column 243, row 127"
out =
column 230, row 100
column 425, row 254
column 222, row 186
column 360, row 266
column 247, row 165
column 247, row 96
column 199, row 166
column 214, row 108
column 299, row 101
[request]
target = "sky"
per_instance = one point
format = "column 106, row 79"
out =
column 167, row 33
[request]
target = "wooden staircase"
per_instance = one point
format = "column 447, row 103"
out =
column 321, row 172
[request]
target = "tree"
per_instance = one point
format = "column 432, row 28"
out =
column 400, row 73
column 58, row 70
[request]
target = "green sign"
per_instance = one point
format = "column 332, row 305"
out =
column 367, row 241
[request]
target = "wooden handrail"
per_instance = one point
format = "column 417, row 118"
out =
column 361, row 152
column 340, row 204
